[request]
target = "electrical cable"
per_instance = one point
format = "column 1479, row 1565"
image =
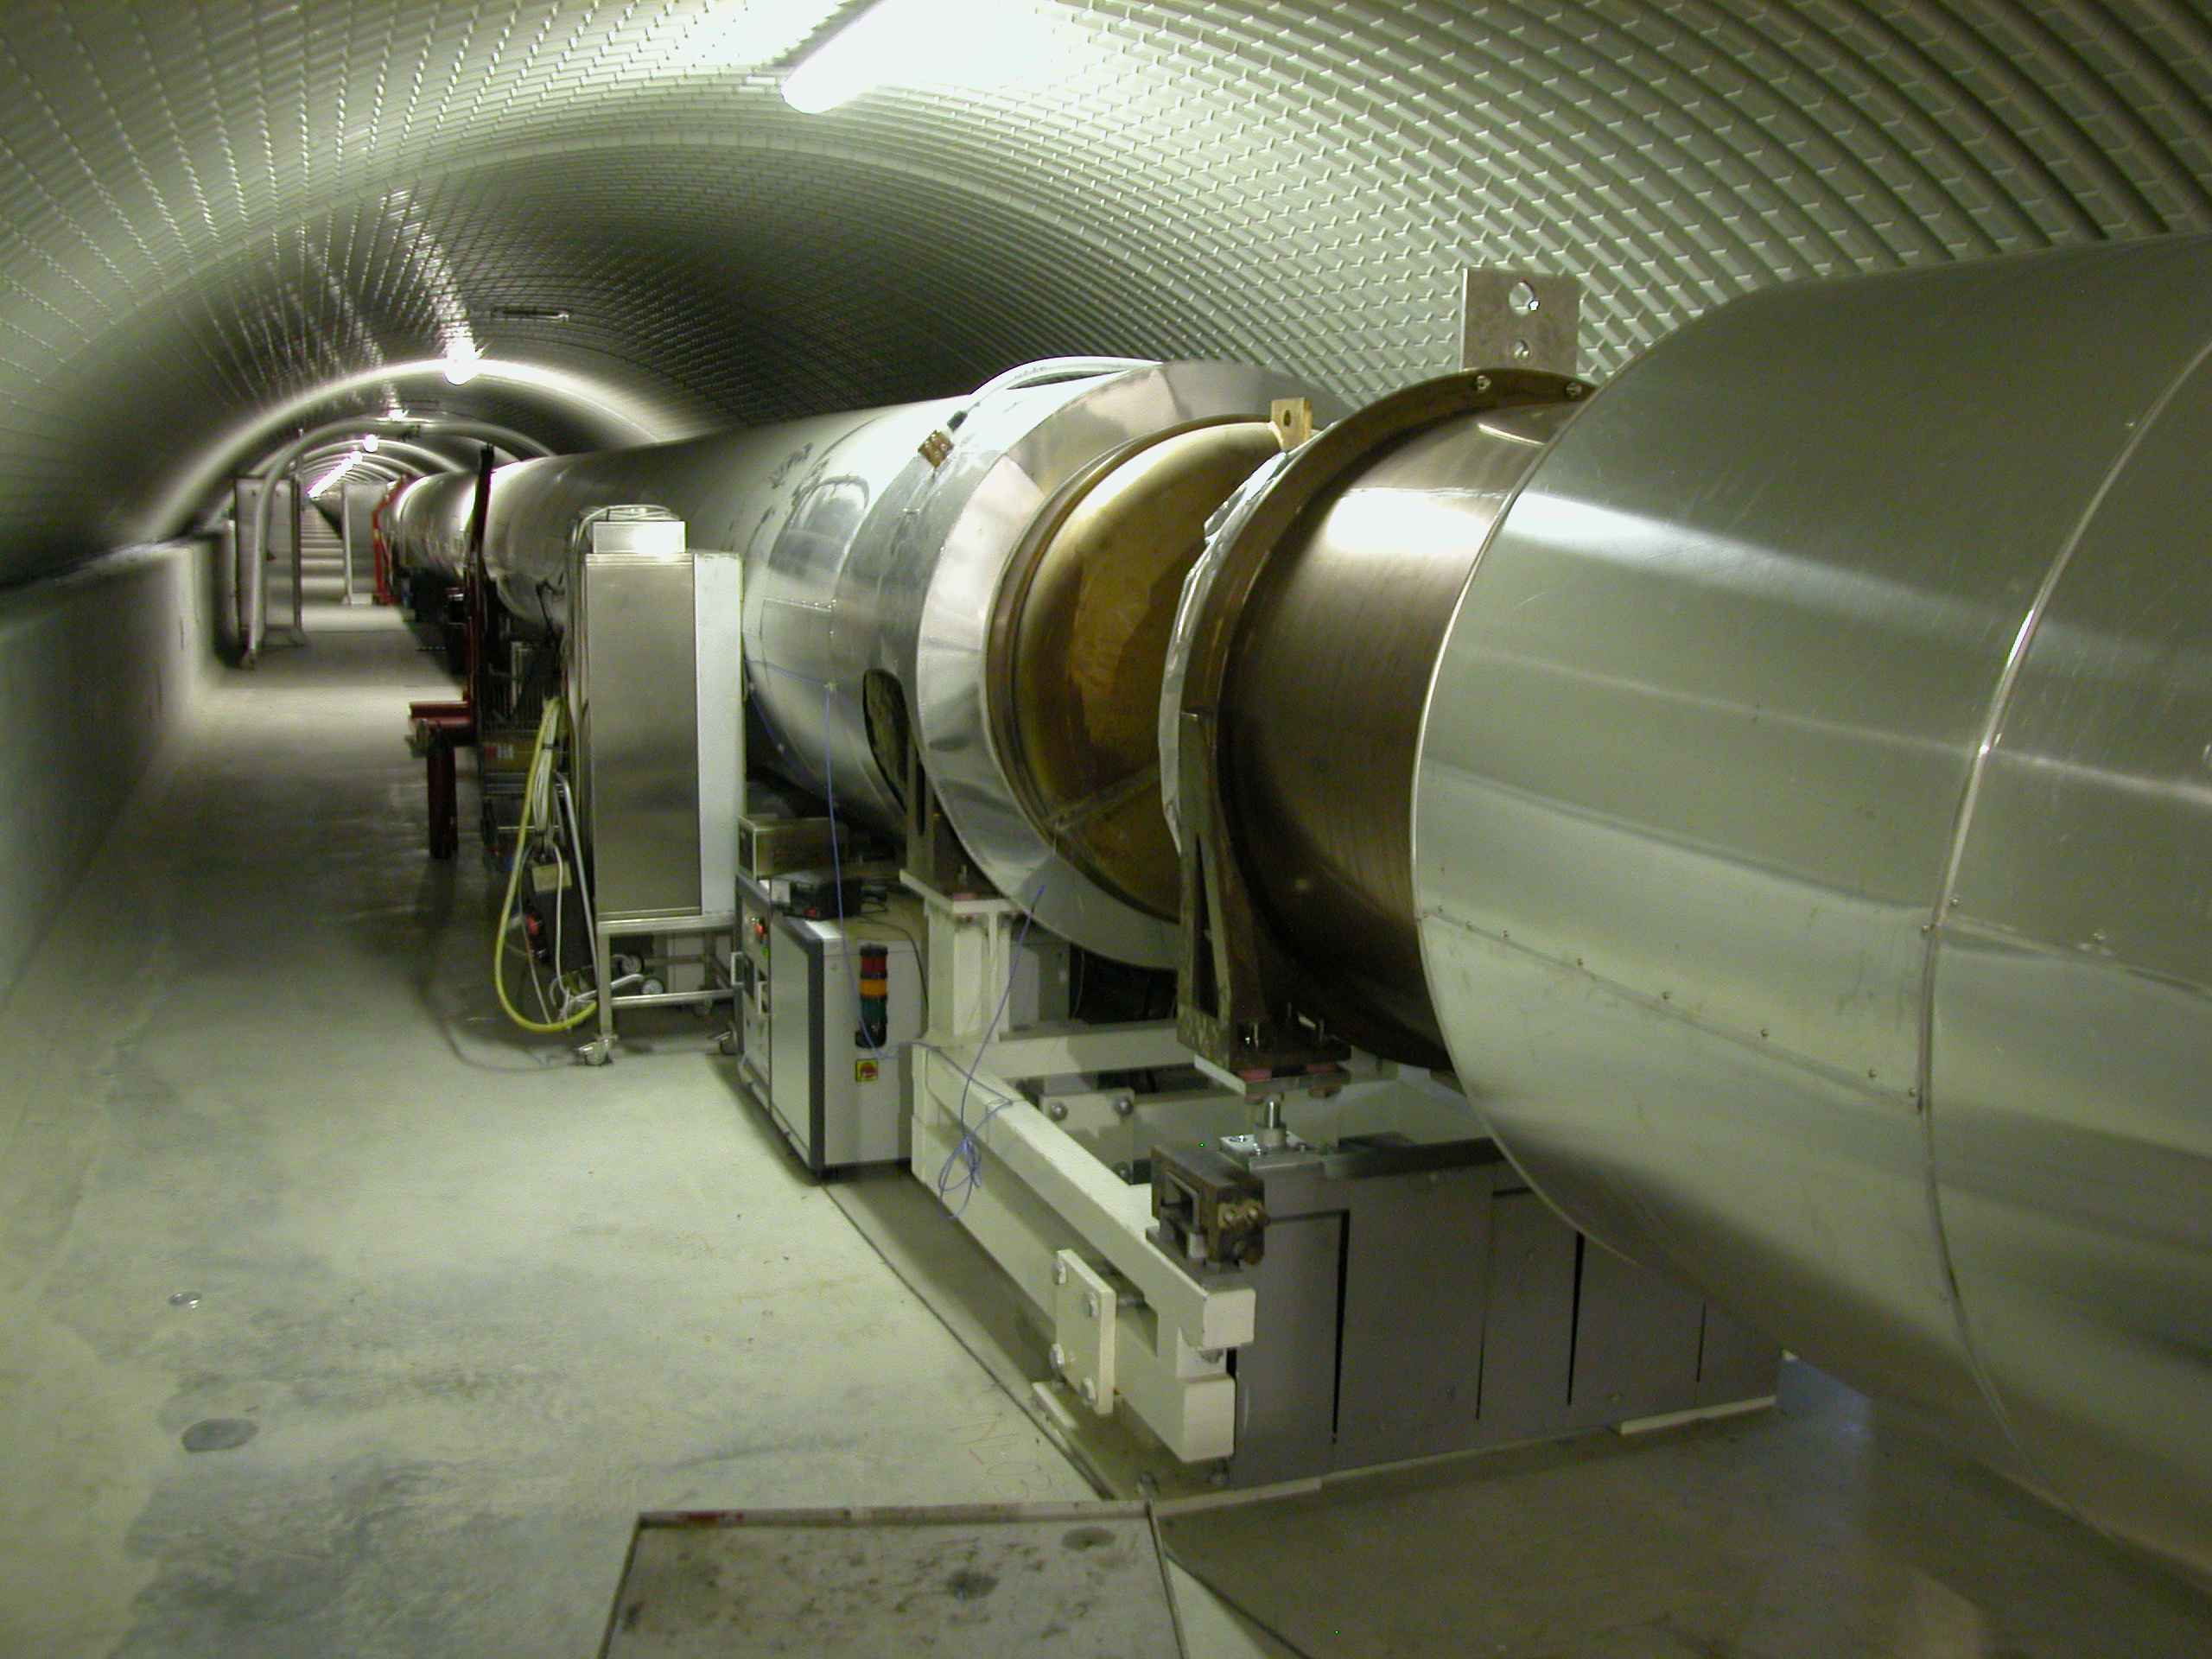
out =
column 967, row 1153
column 837, row 875
column 566, row 799
column 967, row 1150
column 537, row 798
column 830, row 699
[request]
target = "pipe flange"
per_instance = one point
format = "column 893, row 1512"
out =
column 1249, row 999
column 1308, row 474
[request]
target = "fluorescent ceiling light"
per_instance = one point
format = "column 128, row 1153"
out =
column 866, row 53
column 345, row 465
column 464, row 359
column 956, row 42
column 751, row 35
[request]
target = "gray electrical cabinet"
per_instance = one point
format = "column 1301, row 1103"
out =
column 838, row 1096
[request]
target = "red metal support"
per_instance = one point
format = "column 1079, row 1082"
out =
column 380, row 551
column 436, row 730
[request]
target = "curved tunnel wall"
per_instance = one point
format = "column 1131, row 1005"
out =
column 216, row 207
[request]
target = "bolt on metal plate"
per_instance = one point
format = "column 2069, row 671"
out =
column 1520, row 320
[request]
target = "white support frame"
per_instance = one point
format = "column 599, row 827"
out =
column 1035, row 1193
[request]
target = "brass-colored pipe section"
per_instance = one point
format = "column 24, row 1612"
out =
column 1322, row 708
column 1079, row 635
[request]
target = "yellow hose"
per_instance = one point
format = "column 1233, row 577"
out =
column 539, row 783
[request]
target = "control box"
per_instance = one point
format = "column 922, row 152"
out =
column 827, row 1008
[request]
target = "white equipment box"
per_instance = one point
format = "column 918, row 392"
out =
column 835, row 1087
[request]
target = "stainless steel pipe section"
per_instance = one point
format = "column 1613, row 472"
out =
column 1321, row 707
column 873, row 542
column 424, row 521
column 1813, row 841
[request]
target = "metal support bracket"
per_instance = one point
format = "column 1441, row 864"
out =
column 1085, row 1328
column 1520, row 320
column 1212, row 1210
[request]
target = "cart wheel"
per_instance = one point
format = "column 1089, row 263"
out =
column 598, row 1051
column 729, row 1044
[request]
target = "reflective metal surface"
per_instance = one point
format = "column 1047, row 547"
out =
column 2071, row 1047
column 425, row 522
column 1080, row 636
column 1844, row 603
column 1010, row 465
column 868, row 563
column 1306, row 663
column 811, row 504
column 825, row 603
column 636, row 742
column 1321, row 710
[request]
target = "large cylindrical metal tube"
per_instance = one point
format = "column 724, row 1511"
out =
column 1080, row 630
column 1300, row 663
column 1322, row 708
column 425, row 522
column 875, row 545
column 797, row 499
column 1813, row 845
column 724, row 481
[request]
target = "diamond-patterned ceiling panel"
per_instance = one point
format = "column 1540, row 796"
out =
column 216, row 212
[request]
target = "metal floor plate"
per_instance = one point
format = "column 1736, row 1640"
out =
column 1030, row 1578
column 1832, row 1527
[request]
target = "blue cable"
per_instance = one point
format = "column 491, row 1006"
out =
column 967, row 1150
column 837, row 874
column 837, row 851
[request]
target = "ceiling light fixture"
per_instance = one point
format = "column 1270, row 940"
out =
column 464, row 359
column 887, row 38
column 345, row 466
column 973, row 45
column 752, row 35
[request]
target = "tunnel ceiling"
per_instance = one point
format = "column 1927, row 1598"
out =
column 218, row 212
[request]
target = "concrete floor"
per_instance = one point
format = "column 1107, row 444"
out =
column 270, row 1166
